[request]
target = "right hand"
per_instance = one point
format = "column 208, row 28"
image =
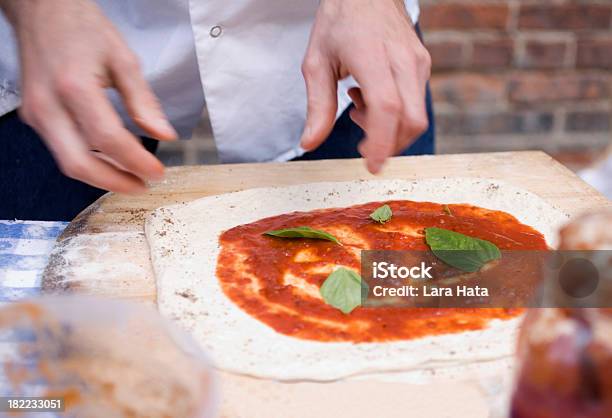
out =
column 70, row 53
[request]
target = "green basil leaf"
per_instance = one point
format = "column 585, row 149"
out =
column 461, row 251
column 303, row 232
column 343, row 290
column 382, row 214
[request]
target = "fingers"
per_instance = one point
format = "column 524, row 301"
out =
column 321, row 86
column 359, row 117
column 74, row 159
column 358, row 113
column 401, row 91
column 140, row 101
column 411, row 74
column 103, row 129
column 357, row 98
column 382, row 107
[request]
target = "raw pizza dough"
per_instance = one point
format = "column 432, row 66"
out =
column 184, row 247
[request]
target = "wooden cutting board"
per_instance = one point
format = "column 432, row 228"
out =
column 104, row 252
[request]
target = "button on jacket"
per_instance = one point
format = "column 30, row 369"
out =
column 239, row 58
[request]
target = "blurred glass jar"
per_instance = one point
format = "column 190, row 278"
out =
column 565, row 348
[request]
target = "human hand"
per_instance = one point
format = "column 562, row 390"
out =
column 375, row 42
column 70, row 52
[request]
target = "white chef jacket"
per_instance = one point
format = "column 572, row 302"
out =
column 241, row 58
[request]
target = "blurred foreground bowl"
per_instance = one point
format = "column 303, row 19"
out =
column 105, row 358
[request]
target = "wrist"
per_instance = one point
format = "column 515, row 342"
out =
column 332, row 7
column 328, row 2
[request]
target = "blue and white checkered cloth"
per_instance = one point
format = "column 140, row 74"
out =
column 24, row 251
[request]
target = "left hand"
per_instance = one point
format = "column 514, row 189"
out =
column 375, row 42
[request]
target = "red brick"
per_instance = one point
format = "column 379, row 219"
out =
column 488, row 54
column 595, row 53
column 446, row 55
column 545, row 88
column 467, row 89
column 544, row 54
column 588, row 121
column 464, row 16
column 573, row 16
column 491, row 123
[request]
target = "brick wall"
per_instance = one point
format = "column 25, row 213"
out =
column 520, row 74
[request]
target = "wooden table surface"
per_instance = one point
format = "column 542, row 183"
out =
column 104, row 251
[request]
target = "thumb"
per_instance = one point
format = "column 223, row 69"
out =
column 321, row 88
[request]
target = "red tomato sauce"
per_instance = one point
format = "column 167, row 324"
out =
column 276, row 280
